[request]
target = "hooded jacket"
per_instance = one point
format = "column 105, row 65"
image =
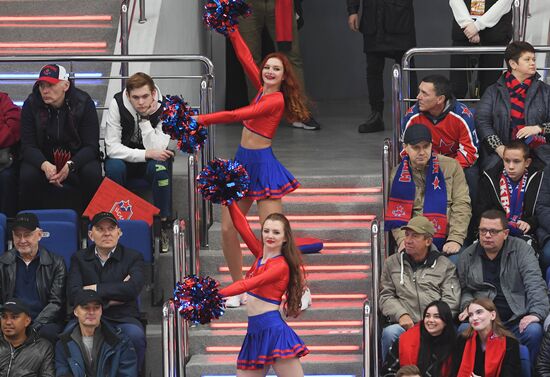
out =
column 520, row 279
column 50, row 282
column 122, row 120
column 33, row 358
column 405, row 290
column 116, row 356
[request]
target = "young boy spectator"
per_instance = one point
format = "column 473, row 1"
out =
column 513, row 186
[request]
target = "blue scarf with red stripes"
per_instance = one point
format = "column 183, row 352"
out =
column 518, row 93
column 402, row 194
column 512, row 198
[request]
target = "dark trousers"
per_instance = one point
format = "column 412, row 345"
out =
column 8, row 190
column 35, row 192
column 459, row 79
column 375, row 77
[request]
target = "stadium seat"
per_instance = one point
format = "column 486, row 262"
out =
column 61, row 231
column 3, row 232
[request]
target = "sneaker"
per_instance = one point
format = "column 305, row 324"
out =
column 297, row 125
column 312, row 125
column 306, row 300
column 165, row 236
column 233, row 301
column 375, row 123
column 244, row 298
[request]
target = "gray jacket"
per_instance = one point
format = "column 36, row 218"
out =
column 404, row 291
column 520, row 279
column 492, row 116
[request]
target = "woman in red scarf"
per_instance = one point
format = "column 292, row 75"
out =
column 486, row 348
column 428, row 345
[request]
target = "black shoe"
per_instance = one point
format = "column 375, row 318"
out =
column 375, row 123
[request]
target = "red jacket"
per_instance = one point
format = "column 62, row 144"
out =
column 10, row 122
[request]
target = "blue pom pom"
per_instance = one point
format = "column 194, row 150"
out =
column 177, row 122
column 223, row 181
column 222, row 15
column 197, row 299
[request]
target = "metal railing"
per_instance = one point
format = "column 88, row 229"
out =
column 520, row 13
column 371, row 323
column 387, row 164
column 142, row 18
column 124, row 37
column 175, row 337
column 194, row 213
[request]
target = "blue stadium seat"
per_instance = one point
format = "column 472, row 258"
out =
column 61, row 231
column 3, row 232
column 136, row 235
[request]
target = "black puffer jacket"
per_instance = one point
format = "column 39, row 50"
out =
column 50, row 281
column 542, row 367
column 387, row 25
column 34, row 357
column 74, row 127
column 492, row 117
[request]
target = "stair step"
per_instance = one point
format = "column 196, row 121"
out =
column 326, row 365
column 341, row 340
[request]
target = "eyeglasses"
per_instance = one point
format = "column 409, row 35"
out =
column 492, row 232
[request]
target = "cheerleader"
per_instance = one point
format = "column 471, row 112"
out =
column 279, row 94
column 277, row 270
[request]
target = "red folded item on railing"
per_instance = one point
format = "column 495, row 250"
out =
column 122, row 203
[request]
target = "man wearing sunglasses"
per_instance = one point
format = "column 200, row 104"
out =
column 506, row 270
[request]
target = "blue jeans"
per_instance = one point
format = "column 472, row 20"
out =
column 157, row 173
column 531, row 337
column 389, row 336
column 544, row 257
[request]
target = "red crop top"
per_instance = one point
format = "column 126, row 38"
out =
column 265, row 112
column 268, row 281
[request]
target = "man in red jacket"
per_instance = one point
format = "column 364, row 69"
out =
column 10, row 119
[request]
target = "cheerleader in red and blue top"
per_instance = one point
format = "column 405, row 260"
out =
column 277, row 270
column 279, row 94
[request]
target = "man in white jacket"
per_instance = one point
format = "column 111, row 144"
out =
column 136, row 146
column 479, row 23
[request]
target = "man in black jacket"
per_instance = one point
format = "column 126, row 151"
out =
column 388, row 31
column 22, row 352
column 59, row 140
column 36, row 276
column 116, row 273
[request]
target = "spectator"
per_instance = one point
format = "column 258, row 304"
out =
column 451, row 124
column 388, row 31
column 36, row 276
column 505, row 270
column 517, row 106
column 430, row 184
column 59, row 140
column 542, row 368
column 279, row 18
column 90, row 346
column 486, row 348
column 22, row 351
column 479, row 23
column 412, row 279
column 542, row 210
column 408, row 371
column 116, row 273
column 514, row 189
column 137, row 146
column 10, row 118
column 429, row 344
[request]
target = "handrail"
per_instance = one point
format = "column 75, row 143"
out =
column 397, row 109
column 181, row 269
column 367, row 341
column 207, row 154
column 386, row 171
column 124, row 37
column 142, row 18
column 169, row 350
column 194, row 239
column 519, row 16
column 375, row 331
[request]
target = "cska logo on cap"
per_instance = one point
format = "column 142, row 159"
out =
column 122, row 210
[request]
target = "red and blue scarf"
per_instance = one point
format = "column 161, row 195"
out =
column 518, row 93
column 511, row 198
column 402, row 194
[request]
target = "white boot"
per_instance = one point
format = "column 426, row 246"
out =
column 306, row 299
column 233, row 301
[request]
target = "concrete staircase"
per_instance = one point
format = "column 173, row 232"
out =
column 338, row 211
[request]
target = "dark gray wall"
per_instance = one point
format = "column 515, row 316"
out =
column 334, row 62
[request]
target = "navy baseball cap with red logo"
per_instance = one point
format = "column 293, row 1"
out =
column 53, row 73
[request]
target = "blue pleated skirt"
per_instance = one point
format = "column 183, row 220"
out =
column 269, row 338
column 269, row 179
